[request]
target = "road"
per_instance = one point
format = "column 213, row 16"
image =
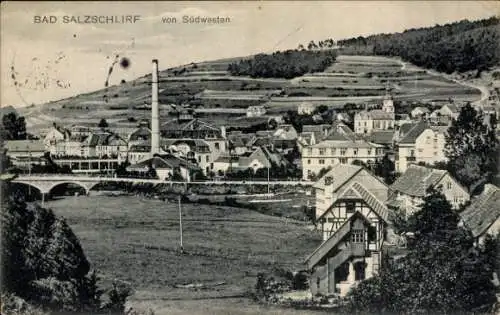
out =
column 485, row 93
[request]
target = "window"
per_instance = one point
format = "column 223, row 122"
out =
column 308, row 161
column 350, row 206
column 355, row 151
column 369, row 151
column 334, row 151
column 420, row 150
column 357, row 236
column 321, row 161
column 412, row 152
column 343, row 151
column 448, row 185
column 207, row 158
column 199, row 159
column 217, row 147
column 322, row 151
column 309, row 151
column 343, row 160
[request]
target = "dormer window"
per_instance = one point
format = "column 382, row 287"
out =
column 328, row 180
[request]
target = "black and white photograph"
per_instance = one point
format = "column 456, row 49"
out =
column 250, row 157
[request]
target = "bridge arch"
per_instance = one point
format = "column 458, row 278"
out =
column 87, row 186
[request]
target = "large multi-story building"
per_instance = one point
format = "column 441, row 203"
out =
column 338, row 148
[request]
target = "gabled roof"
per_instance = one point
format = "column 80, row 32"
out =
column 163, row 161
column 416, row 180
column 412, row 135
column 381, row 137
column 340, row 173
column 24, row 146
column 483, row 211
column 194, row 124
column 357, row 190
column 140, row 133
column 421, row 108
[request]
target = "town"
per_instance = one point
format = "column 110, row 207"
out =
column 360, row 183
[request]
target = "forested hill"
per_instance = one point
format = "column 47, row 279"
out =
column 459, row 46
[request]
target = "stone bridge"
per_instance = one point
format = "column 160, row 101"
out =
column 45, row 183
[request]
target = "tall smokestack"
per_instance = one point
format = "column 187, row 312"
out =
column 155, row 116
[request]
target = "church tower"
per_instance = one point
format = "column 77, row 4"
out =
column 388, row 104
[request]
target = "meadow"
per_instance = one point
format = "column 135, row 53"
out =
column 136, row 240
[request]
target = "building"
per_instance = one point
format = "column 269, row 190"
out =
column 285, row 132
column 256, row 111
column 482, row 216
column 338, row 148
column 450, row 110
column 25, row 152
column 421, row 144
column 191, row 149
column 139, row 136
column 367, row 121
column 260, row 158
column 166, row 166
column 420, row 112
column 55, row 135
column 408, row 191
column 306, row 108
column 354, row 222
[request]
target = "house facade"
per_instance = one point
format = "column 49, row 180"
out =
column 421, row 144
column 338, row 149
column 407, row 192
column 25, row 152
column 367, row 121
column 256, row 111
column 55, row 135
column 306, row 108
column 353, row 219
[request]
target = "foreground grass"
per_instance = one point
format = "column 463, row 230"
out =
column 137, row 240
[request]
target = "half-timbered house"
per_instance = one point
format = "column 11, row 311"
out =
column 353, row 219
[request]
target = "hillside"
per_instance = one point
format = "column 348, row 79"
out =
column 453, row 47
column 221, row 98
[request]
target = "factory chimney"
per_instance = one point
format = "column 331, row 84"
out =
column 155, row 116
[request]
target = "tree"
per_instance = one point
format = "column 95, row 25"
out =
column 103, row 123
column 442, row 273
column 14, row 126
column 385, row 168
column 471, row 148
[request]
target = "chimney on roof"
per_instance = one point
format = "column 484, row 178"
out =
column 155, row 116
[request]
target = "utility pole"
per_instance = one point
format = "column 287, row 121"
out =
column 268, row 183
column 180, row 224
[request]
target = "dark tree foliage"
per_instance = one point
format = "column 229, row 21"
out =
column 459, row 46
column 14, row 127
column 103, row 123
column 471, row 148
column 442, row 273
column 43, row 262
column 287, row 64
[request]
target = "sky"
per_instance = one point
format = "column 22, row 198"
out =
column 41, row 62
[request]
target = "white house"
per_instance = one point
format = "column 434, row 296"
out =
column 422, row 143
column 367, row 121
column 408, row 191
column 420, row 112
column 306, row 108
column 338, row 148
column 256, row 111
column 55, row 135
column 25, row 152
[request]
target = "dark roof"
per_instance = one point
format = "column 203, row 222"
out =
column 483, row 211
column 381, row 137
column 165, row 161
column 140, row 133
column 194, row 124
column 414, row 132
column 417, row 179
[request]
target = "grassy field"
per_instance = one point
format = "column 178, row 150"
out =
column 136, row 240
